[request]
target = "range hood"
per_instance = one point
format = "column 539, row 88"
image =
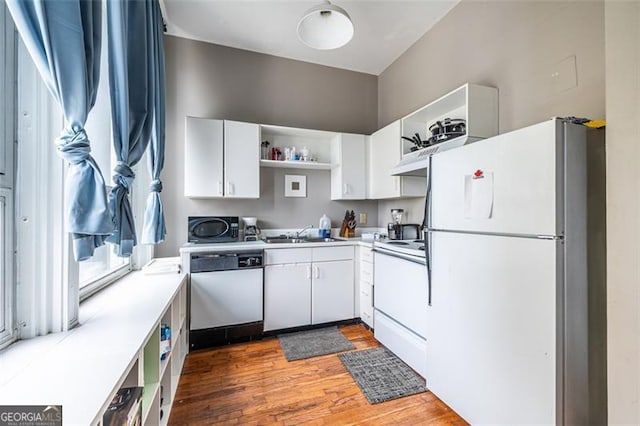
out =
column 416, row 163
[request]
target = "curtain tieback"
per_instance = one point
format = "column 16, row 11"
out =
column 123, row 175
column 155, row 186
column 73, row 146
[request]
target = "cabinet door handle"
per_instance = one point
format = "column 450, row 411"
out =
column 316, row 272
column 230, row 189
column 220, row 188
column 346, row 188
column 309, row 272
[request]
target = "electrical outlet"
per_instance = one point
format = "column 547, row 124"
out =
column 363, row 219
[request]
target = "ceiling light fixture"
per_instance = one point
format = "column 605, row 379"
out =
column 325, row 27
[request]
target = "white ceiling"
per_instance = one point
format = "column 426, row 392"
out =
column 384, row 29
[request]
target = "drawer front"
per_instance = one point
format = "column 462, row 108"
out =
column 408, row 346
column 366, row 254
column 366, row 272
column 323, row 254
column 367, row 318
column 284, row 256
column 366, row 289
column 366, row 303
column 366, row 298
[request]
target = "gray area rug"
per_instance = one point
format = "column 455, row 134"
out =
column 381, row 375
column 307, row 344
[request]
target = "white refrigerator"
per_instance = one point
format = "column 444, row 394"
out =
column 508, row 341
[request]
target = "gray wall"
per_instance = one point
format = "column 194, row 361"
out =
column 623, row 210
column 207, row 80
column 509, row 45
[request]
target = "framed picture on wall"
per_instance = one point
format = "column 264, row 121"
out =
column 295, row 186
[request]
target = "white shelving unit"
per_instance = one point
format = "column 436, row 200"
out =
column 318, row 142
column 159, row 377
column 342, row 153
column 116, row 345
column 308, row 165
column 476, row 104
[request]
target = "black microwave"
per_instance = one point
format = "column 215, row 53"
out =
column 213, row 229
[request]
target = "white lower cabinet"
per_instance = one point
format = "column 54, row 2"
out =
column 332, row 291
column 299, row 291
column 287, row 296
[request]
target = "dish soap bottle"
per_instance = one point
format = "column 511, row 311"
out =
column 324, row 227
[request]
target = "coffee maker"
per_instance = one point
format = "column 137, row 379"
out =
column 394, row 230
column 251, row 230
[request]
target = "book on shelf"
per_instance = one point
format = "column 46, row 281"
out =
column 125, row 408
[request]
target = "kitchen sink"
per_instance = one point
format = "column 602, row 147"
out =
column 319, row 240
column 297, row 240
column 284, row 240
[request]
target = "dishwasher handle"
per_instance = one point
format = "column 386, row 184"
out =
column 213, row 255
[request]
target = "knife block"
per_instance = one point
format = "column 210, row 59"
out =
column 345, row 231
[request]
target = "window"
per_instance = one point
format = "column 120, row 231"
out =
column 36, row 251
column 7, row 137
column 104, row 267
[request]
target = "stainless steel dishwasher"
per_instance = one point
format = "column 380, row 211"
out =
column 226, row 297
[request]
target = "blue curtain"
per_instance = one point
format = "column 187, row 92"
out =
column 154, row 229
column 132, row 30
column 64, row 41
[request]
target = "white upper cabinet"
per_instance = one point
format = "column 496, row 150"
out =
column 203, row 160
column 348, row 175
column 242, row 159
column 385, row 151
column 221, row 159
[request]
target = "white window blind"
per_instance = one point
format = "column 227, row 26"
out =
column 6, row 269
column 7, row 137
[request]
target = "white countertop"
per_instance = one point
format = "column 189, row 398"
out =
column 81, row 368
column 261, row 245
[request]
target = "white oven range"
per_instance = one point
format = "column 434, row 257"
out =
column 401, row 292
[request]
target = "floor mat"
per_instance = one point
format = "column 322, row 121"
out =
column 381, row 375
column 307, row 344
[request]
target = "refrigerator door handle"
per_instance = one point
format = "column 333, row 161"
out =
column 427, row 233
column 427, row 249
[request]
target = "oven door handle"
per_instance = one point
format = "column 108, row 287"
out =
column 398, row 255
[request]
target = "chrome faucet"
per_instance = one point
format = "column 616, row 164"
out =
column 302, row 230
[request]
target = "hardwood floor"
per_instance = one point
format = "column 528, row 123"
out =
column 253, row 384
